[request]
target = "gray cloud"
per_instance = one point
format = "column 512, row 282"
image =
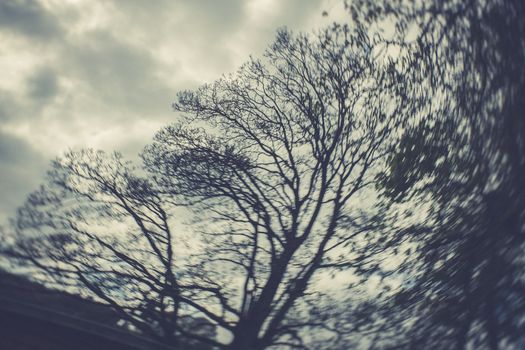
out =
column 43, row 84
column 209, row 17
column 214, row 18
column 117, row 73
column 301, row 11
column 109, row 70
column 7, row 105
column 21, row 170
column 29, row 18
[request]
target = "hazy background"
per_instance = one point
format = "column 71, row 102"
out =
column 103, row 74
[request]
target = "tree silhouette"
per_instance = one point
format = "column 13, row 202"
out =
column 465, row 157
column 283, row 150
column 278, row 164
column 99, row 228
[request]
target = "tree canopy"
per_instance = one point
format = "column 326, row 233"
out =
column 464, row 158
column 274, row 162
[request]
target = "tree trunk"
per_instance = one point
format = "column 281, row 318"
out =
column 246, row 334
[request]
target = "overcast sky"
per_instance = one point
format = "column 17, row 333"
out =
column 103, row 74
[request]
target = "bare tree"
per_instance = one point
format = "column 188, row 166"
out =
column 278, row 164
column 278, row 160
column 103, row 231
column 96, row 226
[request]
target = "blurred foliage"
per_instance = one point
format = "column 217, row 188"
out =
column 466, row 158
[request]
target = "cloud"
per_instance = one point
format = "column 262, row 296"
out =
column 21, row 171
column 40, row 88
column 43, row 84
column 7, row 105
column 29, row 18
column 121, row 75
column 103, row 74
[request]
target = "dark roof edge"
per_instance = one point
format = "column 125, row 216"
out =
column 117, row 335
